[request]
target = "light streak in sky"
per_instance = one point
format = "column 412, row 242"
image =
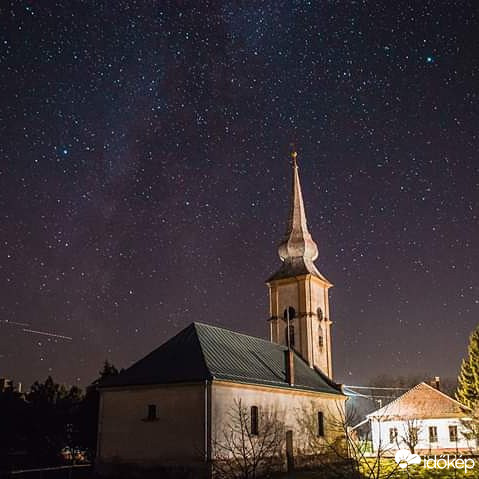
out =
column 15, row 323
column 45, row 333
column 35, row 331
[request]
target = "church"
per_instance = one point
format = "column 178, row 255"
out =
column 185, row 407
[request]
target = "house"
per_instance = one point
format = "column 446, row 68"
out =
column 181, row 409
column 424, row 419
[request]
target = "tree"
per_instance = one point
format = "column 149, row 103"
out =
column 90, row 409
column 51, row 417
column 410, row 433
column 247, row 447
column 326, row 448
column 339, row 453
column 468, row 382
column 53, row 413
column 108, row 370
column 14, row 430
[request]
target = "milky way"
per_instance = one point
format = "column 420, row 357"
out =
column 144, row 179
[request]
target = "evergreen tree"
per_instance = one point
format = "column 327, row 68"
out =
column 108, row 370
column 53, row 415
column 90, row 408
column 468, row 382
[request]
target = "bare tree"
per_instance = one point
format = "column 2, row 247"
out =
column 410, row 433
column 247, row 447
column 339, row 451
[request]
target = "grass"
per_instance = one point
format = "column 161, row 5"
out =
column 390, row 470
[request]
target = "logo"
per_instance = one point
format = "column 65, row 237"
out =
column 405, row 458
column 446, row 461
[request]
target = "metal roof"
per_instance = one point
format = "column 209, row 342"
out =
column 204, row 352
column 297, row 267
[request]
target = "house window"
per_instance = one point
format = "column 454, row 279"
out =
column 393, row 435
column 432, row 434
column 254, row 420
column 151, row 412
column 453, row 433
column 289, row 338
column 320, row 424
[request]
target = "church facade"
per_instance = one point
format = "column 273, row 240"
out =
column 185, row 408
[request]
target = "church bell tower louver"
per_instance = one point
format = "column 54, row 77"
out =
column 298, row 292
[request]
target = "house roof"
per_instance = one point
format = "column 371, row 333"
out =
column 421, row 402
column 202, row 352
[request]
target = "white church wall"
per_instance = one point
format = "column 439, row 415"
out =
column 289, row 405
column 176, row 436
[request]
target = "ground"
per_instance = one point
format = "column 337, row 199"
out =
column 389, row 468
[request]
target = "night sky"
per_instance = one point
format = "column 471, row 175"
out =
column 145, row 176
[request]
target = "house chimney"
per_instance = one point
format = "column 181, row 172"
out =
column 289, row 366
column 437, row 383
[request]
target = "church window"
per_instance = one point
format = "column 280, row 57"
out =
column 151, row 412
column 320, row 314
column 320, row 424
column 292, row 313
column 453, row 433
column 254, row 420
column 320, row 338
column 289, row 338
column 432, row 434
column 393, row 435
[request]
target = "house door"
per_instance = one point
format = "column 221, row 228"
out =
column 289, row 451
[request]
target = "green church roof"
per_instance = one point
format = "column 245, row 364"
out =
column 203, row 352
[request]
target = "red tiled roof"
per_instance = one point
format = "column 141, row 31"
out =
column 421, row 402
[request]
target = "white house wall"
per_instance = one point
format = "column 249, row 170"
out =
column 380, row 435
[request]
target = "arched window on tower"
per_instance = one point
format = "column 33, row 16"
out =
column 289, row 338
column 320, row 314
column 320, row 337
column 292, row 313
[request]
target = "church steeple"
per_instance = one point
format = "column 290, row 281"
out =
column 298, row 249
column 297, row 243
column 298, row 291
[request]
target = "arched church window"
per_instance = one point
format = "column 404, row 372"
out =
column 289, row 338
column 292, row 313
column 320, row 314
column 320, row 337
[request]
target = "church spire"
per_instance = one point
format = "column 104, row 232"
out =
column 298, row 245
column 298, row 293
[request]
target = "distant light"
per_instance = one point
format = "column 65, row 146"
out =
column 65, row 151
column 430, row 59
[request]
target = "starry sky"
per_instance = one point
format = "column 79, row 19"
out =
column 145, row 177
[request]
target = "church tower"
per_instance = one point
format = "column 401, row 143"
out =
column 298, row 292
